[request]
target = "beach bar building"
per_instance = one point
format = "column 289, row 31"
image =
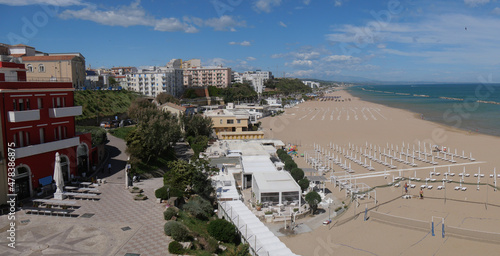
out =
column 276, row 188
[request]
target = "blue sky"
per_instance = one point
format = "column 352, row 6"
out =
column 396, row 40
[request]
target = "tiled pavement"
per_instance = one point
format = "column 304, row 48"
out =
column 120, row 225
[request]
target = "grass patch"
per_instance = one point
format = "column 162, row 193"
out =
column 103, row 102
column 121, row 132
column 156, row 167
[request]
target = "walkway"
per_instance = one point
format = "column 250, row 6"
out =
column 114, row 225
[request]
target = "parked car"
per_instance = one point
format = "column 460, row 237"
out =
column 326, row 222
column 105, row 125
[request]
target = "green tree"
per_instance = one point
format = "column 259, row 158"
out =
column 196, row 125
column 112, row 82
column 198, row 144
column 304, row 184
column 222, row 230
column 313, row 199
column 180, row 175
column 290, row 164
column 164, row 97
column 297, row 174
column 198, row 207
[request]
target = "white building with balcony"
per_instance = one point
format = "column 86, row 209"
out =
column 256, row 78
column 152, row 81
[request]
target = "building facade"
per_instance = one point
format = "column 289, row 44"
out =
column 255, row 78
column 230, row 124
column 152, row 81
column 207, row 76
column 311, row 84
column 38, row 121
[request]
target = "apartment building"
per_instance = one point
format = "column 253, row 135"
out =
column 255, row 78
column 152, row 81
column 207, row 76
column 37, row 121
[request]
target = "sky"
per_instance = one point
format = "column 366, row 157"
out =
column 395, row 40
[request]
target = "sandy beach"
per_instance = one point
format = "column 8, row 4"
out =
column 359, row 123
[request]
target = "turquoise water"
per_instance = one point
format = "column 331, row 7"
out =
column 456, row 105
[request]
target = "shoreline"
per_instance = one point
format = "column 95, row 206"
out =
column 434, row 121
column 357, row 122
column 417, row 116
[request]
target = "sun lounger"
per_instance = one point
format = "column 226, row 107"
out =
column 464, row 188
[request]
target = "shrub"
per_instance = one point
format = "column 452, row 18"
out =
column 199, row 208
column 222, row 230
column 162, row 193
column 304, row 184
column 176, row 230
column 290, row 164
column 175, row 248
column 297, row 174
column 170, row 212
column 180, row 233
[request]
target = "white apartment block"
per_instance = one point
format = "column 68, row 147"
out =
column 255, row 78
column 207, row 76
column 152, row 81
column 311, row 84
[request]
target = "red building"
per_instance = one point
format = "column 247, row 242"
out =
column 39, row 118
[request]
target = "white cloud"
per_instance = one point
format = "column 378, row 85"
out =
column 306, row 2
column 224, row 23
column 251, row 58
column 41, row 2
column 135, row 15
column 333, row 58
column 283, row 24
column 244, row 43
column 338, row 3
column 475, row 3
column 266, row 5
column 496, row 11
column 300, row 63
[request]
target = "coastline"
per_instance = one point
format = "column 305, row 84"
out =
column 358, row 122
column 460, row 109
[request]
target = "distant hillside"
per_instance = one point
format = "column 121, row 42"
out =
column 104, row 103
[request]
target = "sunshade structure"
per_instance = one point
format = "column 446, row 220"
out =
column 261, row 240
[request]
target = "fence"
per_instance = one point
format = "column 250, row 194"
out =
column 400, row 221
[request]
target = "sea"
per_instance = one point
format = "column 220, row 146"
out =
column 470, row 107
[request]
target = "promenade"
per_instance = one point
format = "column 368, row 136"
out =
column 114, row 225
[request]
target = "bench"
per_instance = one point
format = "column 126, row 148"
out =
column 87, row 196
column 48, row 211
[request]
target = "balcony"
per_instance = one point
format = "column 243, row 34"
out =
column 47, row 147
column 23, row 116
column 65, row 112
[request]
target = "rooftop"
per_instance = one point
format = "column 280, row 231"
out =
column 276, row 181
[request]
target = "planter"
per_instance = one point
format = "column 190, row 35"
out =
column 135, row 190
column 269, row 218
column 140, row 197
column 259, row 207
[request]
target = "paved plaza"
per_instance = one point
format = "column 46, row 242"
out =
column 114, row 225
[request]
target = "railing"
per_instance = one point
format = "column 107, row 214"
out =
column 48, row 79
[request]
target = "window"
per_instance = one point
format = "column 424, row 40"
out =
column 27, row 138
column 64, row 102
column 239, row 121
column 55, row 133
column 230, row 121
column 41, row 68
column 21, row 104
column 58, row 100
column 42, row 135
column 30, row 68
column 15, row 139
column 40, row 103
column 65, row 131
column 220, row 121
column 60, row 132
column 28, row 104
column 21, row 141
column 14, row 104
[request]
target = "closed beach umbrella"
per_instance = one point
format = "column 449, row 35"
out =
column 58, row 177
